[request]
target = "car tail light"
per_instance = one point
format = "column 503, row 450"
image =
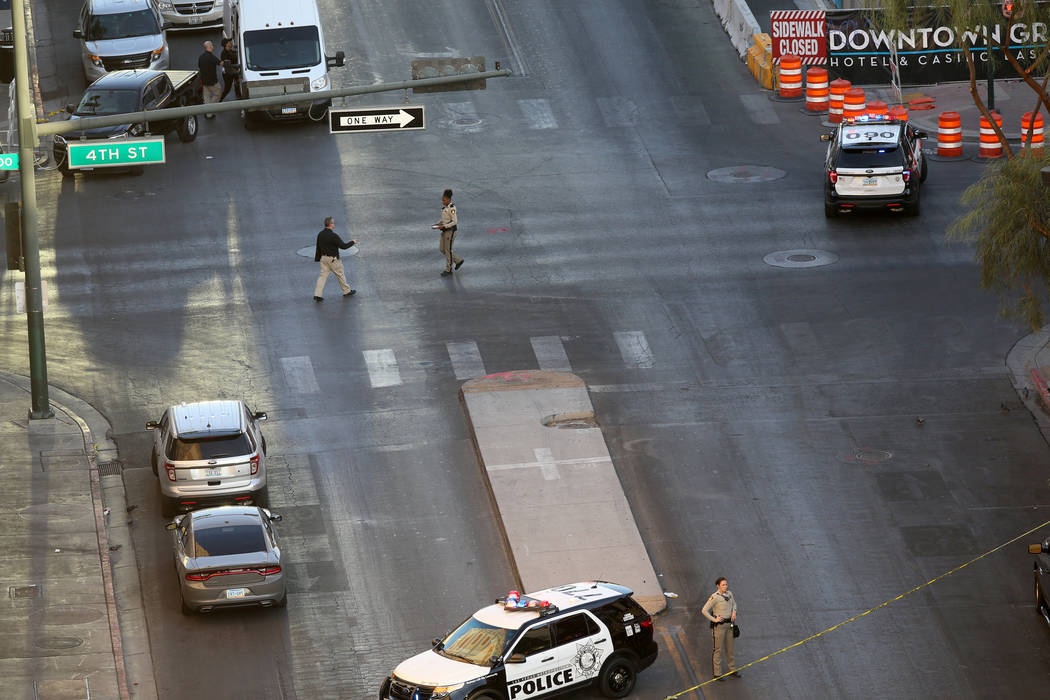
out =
column 906, row 175
column 255, row 464
column 170, row 469
column 833, row 176
column 269, row 570
column 647, row 624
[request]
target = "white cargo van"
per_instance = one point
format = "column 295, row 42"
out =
column 281, row 50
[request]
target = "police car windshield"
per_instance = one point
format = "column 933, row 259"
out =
column 884, row 156
column 475, row 642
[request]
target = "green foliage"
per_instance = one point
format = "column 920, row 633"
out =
column 1009, row 221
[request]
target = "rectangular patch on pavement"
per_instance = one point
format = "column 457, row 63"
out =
column 550, row 353
column 634, row 349
column 382, row 367
column 759, row 109
column 538, row 113
column 299, row 375
column 466, row 359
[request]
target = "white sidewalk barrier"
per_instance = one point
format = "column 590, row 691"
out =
column 738, row 22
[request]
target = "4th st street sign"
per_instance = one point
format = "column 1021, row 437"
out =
column 376, row 119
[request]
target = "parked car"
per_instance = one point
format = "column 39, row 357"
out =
column 121, row 34
column 228, row 556
column 191, row 14
column 1041, row 571
column 544, row 644
column 133, row 91
column 207, row 453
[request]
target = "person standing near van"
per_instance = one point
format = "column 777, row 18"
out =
column 720, row 610
column 229, row 67
column 208, row 67
column 327, row 253
column 448, row 225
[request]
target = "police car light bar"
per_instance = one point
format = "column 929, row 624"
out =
column 516, row 602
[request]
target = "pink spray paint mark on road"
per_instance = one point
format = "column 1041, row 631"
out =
column 497, row 230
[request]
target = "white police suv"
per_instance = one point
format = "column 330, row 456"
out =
column 544, row 644
column 873, row 163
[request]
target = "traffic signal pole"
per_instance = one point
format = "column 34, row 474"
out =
column 27, row 138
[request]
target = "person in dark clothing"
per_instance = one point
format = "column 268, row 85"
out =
column 327, row 253
column 229, row 67
column 208, row 67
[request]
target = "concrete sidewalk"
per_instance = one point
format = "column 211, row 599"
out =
column 70, row 605
column 1029, row 365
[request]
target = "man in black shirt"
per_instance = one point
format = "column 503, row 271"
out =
column 229, row 67
column 327, row 253
column 208, row 67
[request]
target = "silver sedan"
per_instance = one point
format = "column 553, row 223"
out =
column 228, row 556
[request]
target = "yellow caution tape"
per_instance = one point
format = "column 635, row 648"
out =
column 866, row 612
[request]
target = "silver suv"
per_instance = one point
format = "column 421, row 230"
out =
column 119, row 35
column 207, row 453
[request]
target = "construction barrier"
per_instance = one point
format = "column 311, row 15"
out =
column 877, row 108
column 853, row 103
column 989, row 145
column 790, row 76
column 739, row 23
column 949, row 135
column 760, row 60
column 1036, row 147
column 898, row 112
column 835, row 99
column 817, row 89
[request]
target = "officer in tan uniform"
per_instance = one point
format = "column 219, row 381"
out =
column 720, row 610
column 448, row 225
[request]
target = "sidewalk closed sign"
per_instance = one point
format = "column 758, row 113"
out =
column 801, row 33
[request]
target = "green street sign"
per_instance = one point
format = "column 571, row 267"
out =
column 115, row 153
column 8, row 161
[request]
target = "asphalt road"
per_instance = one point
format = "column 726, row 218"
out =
column 762, row 419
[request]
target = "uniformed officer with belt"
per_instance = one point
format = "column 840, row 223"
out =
column 448, row 225
column 720, row 610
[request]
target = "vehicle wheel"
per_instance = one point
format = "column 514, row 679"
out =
column 923, row 171
column 63, row 165
column 283, row 602
column 250, row 123
column 830, row 210
column 617, row 677
column 188, row 129
column 264, row 444
column 137, row 170
column 186, row 610
column 915, row 207
column 169, row 507
column 1038, row 596
column 484, row 695
column 262, row 498
column 153, row 461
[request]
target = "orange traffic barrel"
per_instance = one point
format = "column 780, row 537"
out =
column 853, row 103
column 1036, row 147
column 949, row 135
column 877, row 108
column 817, row 89
column 835, row 98
column 990, row 146
column 790, row 76
column 898, row 112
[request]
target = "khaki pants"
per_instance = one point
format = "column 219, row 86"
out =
column 447, row 236
column 212, row 94
column 331, row 266
column 722, row 637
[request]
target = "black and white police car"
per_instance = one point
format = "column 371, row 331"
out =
column 588, row 633
column 873, row 163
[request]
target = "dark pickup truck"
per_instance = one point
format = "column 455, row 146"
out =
column 127, row 91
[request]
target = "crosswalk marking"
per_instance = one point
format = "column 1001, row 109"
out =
column 550, row 353
column 299, row 375
column 382, row 367
column 466, row 359
column 759, row 109
column 618, row 111
column 634, row 349
column 539, row 114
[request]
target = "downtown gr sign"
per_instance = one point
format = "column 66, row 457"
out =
column 929, row 52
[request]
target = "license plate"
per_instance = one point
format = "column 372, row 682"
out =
column 870, row 182
column 236, row 592
column 288, row 110
column 7, row 36
column 195, row 19
column 212, row 472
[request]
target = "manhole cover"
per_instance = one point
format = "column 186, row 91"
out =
column 65, row 615
column 466, row 121
column 746, row 173
column 865, row 455
column 800, row 258
column 308, row 251
column 58, row 642
column 30, row 591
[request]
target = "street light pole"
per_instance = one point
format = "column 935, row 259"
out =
column 41, row 406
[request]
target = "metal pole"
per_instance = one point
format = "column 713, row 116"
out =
column 27, row 138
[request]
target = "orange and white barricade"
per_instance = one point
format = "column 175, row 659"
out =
column 898, row 112
column 837, row 93
column 853, row 103
column 790, row 76
column 989, row 145
column 817, row 89
column 1036, row 147
column 949, row 135
column 876, row 108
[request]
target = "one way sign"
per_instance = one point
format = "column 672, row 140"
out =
column 377, row 119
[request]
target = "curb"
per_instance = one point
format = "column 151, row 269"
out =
column 118, row 571
column 1025, row 374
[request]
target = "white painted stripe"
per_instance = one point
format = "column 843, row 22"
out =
column 759, row 109
column 550, row 353
column 548, row 463
column 466, row 360
column 618, row 111
column 539, row 114
column 299, row 375
column 548, row 467
column 382, row 367
column 634, row 349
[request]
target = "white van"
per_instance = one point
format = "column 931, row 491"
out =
column 281, row 51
